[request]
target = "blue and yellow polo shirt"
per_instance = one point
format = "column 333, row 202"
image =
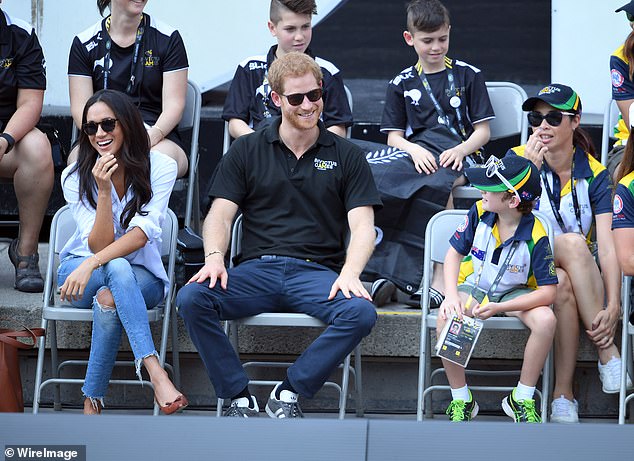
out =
column 478, row 239
column 623, row 204
column 594, row 193
column 622, row 90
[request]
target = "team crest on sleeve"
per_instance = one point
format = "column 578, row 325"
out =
column 617, row 205
column 617, row 78
column 551, row 269
column 463, row 225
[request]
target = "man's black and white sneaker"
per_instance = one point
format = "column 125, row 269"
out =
column 240, row 408
column 284, row 408
column 382, row 292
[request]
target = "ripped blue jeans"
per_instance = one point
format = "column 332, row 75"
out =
column 134, row 289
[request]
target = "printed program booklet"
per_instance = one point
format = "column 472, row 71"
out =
column 458, row 338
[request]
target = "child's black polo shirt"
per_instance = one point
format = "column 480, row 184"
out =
column 293, row 207
column 249, row 97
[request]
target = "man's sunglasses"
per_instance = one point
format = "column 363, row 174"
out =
column 107, row 124
column 296, row 99
column 553, row 118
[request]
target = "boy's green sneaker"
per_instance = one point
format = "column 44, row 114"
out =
column 523, row 411
column 461, row 411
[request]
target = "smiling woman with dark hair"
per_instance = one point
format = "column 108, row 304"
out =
column 118, row 191
column 576, row 197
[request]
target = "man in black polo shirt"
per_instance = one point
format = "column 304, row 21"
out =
column 299, row 188
column 25, row 153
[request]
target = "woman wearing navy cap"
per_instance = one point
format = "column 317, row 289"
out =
column 576, row 196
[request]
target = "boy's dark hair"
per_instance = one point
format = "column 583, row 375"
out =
column 525, row 207
column 426, row 16
column 296, row 6
column 294, row 64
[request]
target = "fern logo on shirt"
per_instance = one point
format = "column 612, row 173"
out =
column 323, row 165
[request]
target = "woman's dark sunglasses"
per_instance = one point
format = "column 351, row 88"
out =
column 107, row 124
column 296, row 99
column 630, row 17
column 553, row 118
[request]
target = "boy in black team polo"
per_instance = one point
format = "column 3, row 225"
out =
column 301, row 190
column 249, row 106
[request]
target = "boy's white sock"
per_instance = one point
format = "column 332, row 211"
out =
column 461, row 393
column 523, row 392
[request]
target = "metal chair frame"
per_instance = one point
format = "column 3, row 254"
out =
column 291, row 320
column 440, row 226
column 62, row 228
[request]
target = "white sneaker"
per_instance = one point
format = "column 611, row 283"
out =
column 610, row 375
column 564, row 411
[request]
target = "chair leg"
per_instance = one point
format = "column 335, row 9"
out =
column 345, row 378
column 175, row 350
column 358, row 381
column 57, row 401
column 546, row 374
column 39, row 368
column 625, row 361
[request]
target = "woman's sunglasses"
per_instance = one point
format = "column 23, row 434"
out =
column 553, row 118
column 630, row 17
column 296, row 99
column 107, row 124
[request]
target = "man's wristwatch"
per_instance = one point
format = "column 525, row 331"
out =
column 10, row 141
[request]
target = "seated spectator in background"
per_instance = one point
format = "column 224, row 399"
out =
column 504, row 234
column 249, row 105
column 622, row 76
column 132, row 52
column 623, row 210
column 323, row 192
column 118, row 191
column 25, row 153
column 576, row 197
column 437, row 110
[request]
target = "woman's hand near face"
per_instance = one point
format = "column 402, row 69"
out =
column 103, row 170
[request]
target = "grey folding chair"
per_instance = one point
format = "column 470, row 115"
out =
column 62, row 228
column 191, row 120
column 610, row 119
column 291, row 319
column 440, row 227
column 350, row 103
column 627, row 330
column 506, row 99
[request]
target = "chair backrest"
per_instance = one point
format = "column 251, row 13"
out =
column 236, row 238
column 506, row 99
column 610, row 119
column 438, row 232
column 350, row 103
column 191, row 119
column 62, row 229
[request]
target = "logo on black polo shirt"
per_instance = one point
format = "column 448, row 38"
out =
column 6, row 63
column 150, row 60
column 323, row 165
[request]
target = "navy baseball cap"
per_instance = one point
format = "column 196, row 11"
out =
column 629, row 8
column 559, row 96
column 496, row 175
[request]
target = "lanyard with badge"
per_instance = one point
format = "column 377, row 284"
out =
column 135, row 56
column 454, row 101
column 497, row 279
column 575, row 199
